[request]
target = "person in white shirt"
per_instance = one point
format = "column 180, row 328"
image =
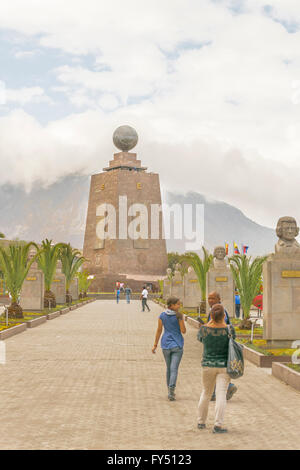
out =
column 144, row 297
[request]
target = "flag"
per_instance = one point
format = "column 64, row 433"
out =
column 245, row 248
column 226, row 248
column 235, row 249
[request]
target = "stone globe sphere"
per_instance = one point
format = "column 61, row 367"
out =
column 125, row 138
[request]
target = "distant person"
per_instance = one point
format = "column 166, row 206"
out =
column 144, row 297
column 214, row 298
column 171, row 342
column 128, row 294
column 118, row 295
column 122, row 286
column 117, row 284
column 237, row 305
column 215, row 339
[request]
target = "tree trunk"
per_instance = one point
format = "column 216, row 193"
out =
column 203, row 306
column 68, row 297
column 245, row 324
column 15, row 311
column 49, row 299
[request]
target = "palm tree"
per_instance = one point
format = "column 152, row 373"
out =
column 15, row 266
column 201, row 267
column 47, row 261
column 83, row 283
column 247, row 277
column 71, row 260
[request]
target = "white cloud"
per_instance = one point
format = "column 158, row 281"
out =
column 211, row 92
column 23, row 96
column 25, row 54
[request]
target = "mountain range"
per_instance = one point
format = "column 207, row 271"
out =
column 58, row 212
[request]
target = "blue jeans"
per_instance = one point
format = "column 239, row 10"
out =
column 118, row 298
column 128, row 298
column 172, row 357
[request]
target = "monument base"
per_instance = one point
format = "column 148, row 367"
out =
column 281, row 309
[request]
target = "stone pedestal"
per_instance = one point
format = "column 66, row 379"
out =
column 74, row 289
column 220, row 280
column 281, row 299
column 58, row 286
column 167, row 288
column 192, row 292
column 32, row 293
column 177, row 286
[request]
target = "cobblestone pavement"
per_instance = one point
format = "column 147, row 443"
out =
column 88, row 380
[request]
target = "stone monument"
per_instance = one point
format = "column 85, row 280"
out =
column 74, row 289
column 32, row 293
column 167, row 284
column 192, row 292
column 125, row 191
column 281, row 297
column 219, row 278
column 177, row 283
column 58, row 286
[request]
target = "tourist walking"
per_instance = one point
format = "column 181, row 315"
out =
column 128, row 294
column 215, row 339
column 213, row 299
column 171, row 342
column 118, row 295
column 144, row 297
column 237, row 305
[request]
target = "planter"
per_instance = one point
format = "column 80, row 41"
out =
column 64, row 310
column 14, row 330
column 192, row 322
column 261, row 360
column 52, row 315
column 36, row 322
column 286, row 374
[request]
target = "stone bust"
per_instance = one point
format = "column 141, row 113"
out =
column 219, row 257
column 287, row 231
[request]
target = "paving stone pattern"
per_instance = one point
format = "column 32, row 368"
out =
column 88, row 380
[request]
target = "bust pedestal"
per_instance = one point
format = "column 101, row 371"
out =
column 192, row 292
column 281, row 299
column 32, row 293
column 220, row 279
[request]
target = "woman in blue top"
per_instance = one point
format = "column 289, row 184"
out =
column 171, row 341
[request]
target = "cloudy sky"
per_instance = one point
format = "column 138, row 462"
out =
column 211, row 86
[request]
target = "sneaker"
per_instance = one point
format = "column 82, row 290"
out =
column 201, row 426
column 231, row 390
column 171, row 394
column 219, row 430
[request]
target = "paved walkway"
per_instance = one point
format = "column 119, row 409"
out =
column 88, row 380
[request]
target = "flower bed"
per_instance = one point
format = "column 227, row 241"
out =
column 258, row 354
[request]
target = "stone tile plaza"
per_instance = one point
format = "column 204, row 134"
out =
column 149, row 228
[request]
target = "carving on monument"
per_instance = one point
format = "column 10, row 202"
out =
column 287, row 231
column 219, row 257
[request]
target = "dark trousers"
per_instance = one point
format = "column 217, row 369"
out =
column 237, row 310
column 144, row 304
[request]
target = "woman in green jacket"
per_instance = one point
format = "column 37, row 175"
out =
column 215, row 339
